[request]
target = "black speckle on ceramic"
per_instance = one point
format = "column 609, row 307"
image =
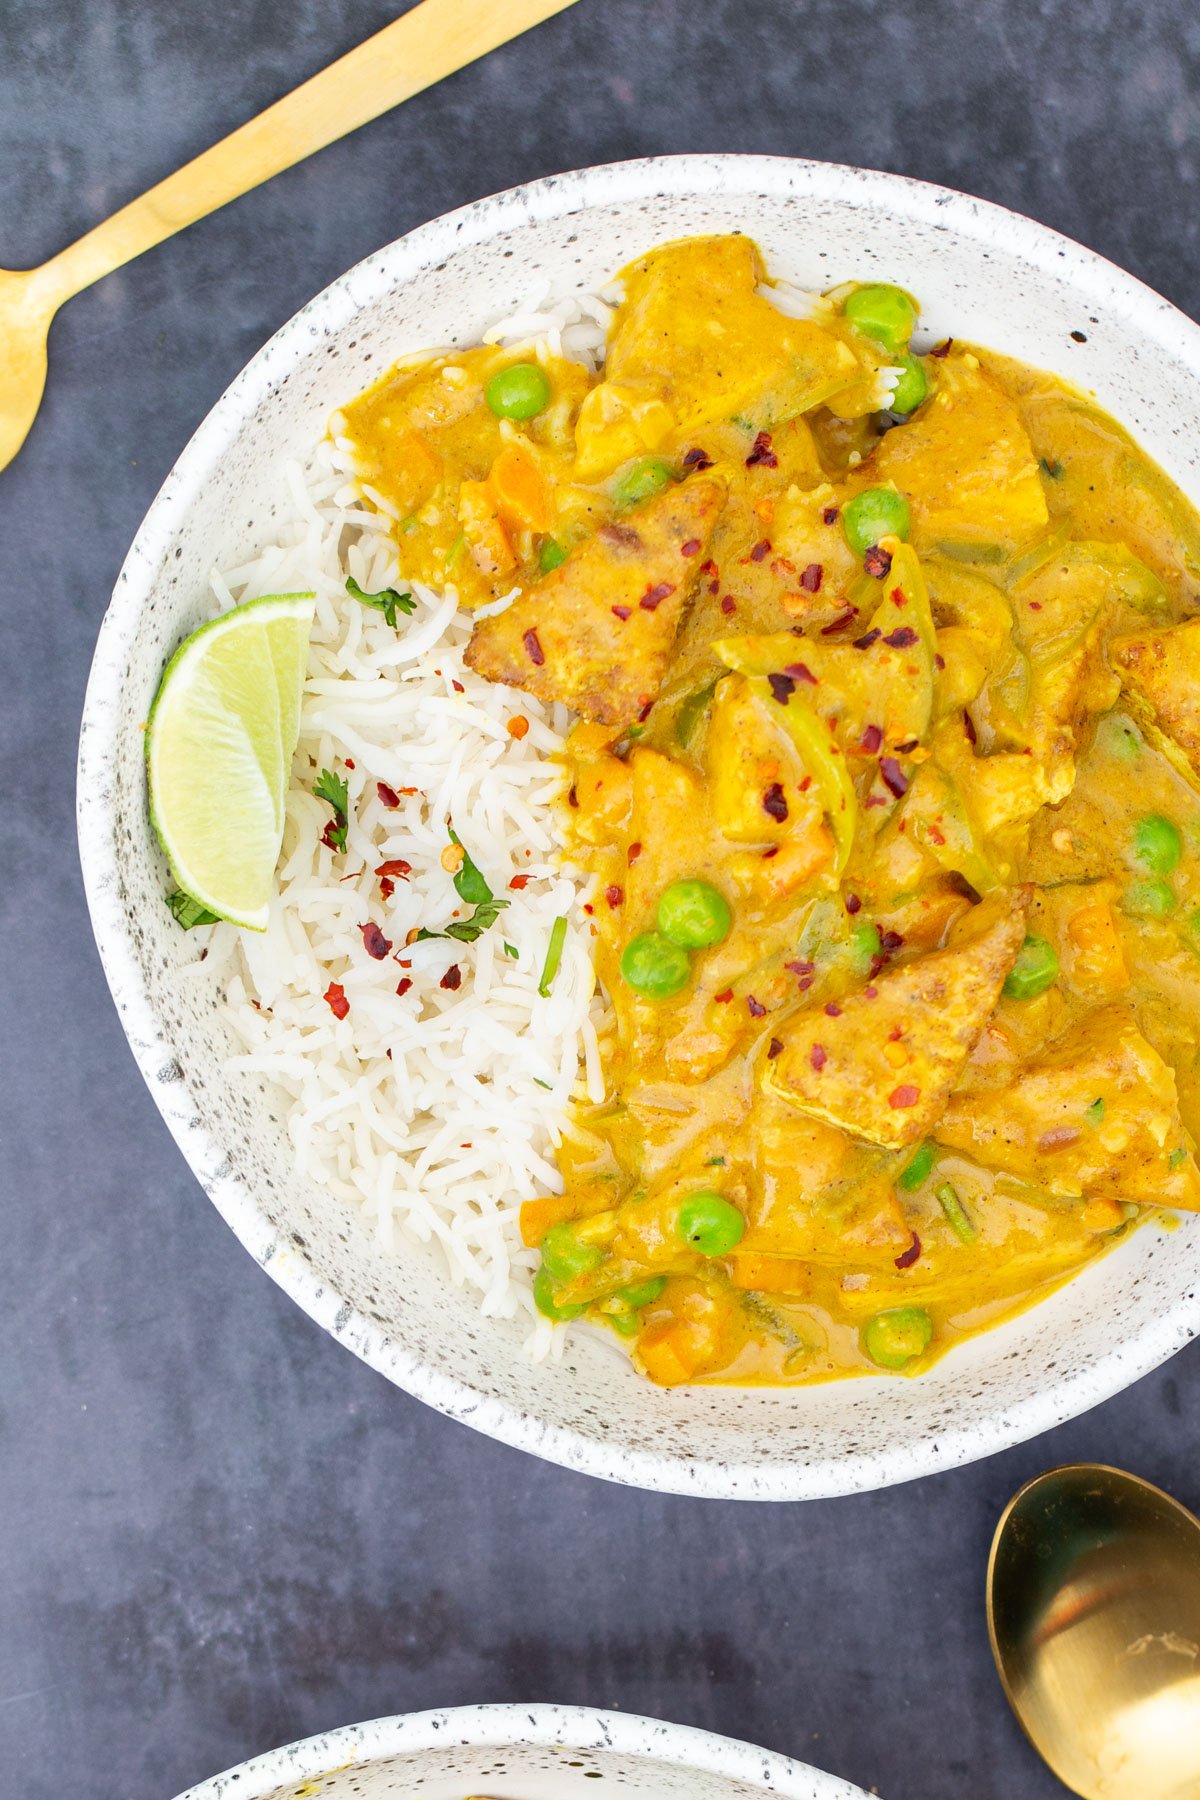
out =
column 521, row 1753
column 983, row 274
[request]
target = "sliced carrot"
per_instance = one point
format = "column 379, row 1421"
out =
column 767, row 1274
column 1096, row 939
column 669, row 1353
column 486, row 536
column 537, row 1216
column 518, row 491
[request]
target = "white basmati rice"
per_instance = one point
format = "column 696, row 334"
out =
column 435, row 1111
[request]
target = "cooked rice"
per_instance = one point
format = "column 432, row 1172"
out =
column 435, row 1112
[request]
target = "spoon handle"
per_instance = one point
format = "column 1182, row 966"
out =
column 415, row 51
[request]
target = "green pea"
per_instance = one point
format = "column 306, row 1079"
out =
column 521, row 391
column 918, row 1169
column 1152, row 899
column 693, row 914
column 1094, row 1114
column 655, row 967
column 892, row 1339
column 565, row 1255
column 643, row 1293
column 1035, row 969
column 1157, row 844
column 883, row 312
column 550, row 555
column 709, row 1223
column 648, row 476
column 544, row 1300
column 624, row 1322
column 875, row 513
column 912, row 387
column 865, row 944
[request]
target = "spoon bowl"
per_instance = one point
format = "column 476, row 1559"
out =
column 26, row 309
column 1093, row 1600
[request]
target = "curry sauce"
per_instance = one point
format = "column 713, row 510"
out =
column 886, row 767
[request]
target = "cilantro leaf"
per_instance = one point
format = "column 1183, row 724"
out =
column 465, row 931
column 188, row 912
column 511, row 950
column 335, row 792
column 469, row 884
column 388, row 601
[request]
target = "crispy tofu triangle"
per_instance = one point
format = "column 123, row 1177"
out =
column 1044, row 1128
column 1160, row 671
column 883, row 1065
column 597, row 632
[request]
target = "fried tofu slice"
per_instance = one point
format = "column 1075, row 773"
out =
column 1097, row 1115
column 882, row 1064
column 597, row 632
column 965, row 463
column 1160, row 671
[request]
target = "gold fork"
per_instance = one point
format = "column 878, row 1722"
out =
column 415, row 51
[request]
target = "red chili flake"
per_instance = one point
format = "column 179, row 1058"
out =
column 633, row 852
column 806, row 784
column 403, row 985
column 1035, row 606
column 802, row 672
column 762, row 455
column 768, row 854
column 832, row 1009
column 829, row 516
column 647, row 709
column 621, row 612
column 573, row 796
column 811, row 577
column 519, row 881
column 939, row 661
column 457, row 686
column 327, row 838
column 901, row 638
column 891, row 941
column 898, row 597
column 867, row 639
column 817, row 1056
column 877, row 562
column 386, row 888
column 904, row 1095
column 942, row 349
column 1060, row 1138
column 853, row 903
column 969, row 727
column 395, row 869
column 710, row 569
column 872, row 993
column 654, row 597
column 782, row 687
column 405, row 962
column 374, row 942
column 588, row 908
column 348, row 761
column 691, row 548
column 388, row 795
column 756, row 1008
column 910, row 744
column 894, row 778
column 760, row 550
column 871, row 740
column 614, row 895
column 774, row 1048
column 452, row 979
column 908, row 1257
column 800, row 968
column 335, row 999
column 696, row 459
column 840, row 623
column 875, row 800
column 728, row 605
column 774, row 804
column 533, row 648
column 722, row 998
column 938, row 836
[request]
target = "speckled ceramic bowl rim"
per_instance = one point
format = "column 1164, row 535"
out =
column 558, row 197
column 507, row 1726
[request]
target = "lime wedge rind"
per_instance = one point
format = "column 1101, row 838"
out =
column 219, row 746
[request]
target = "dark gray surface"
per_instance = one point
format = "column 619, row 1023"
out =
column 217, row 1530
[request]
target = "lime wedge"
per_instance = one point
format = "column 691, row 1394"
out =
column 219, row 746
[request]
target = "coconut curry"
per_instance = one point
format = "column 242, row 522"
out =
column 886, row 766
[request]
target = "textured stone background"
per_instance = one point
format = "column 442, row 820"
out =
column 217, row 1530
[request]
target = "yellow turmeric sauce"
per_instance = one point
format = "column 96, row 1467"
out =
column 890, row 660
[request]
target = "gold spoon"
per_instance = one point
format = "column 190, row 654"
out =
column 415, row 51
column 1093, row 1601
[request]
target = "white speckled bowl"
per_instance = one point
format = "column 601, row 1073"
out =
column 521, row 1753
column 983, row 274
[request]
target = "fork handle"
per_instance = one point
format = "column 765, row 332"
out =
column 415, row 51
